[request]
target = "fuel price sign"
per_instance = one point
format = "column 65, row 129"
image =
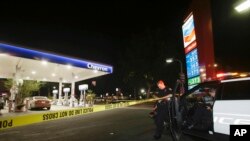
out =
column 192, row 64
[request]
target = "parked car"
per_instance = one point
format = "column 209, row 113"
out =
column 208, row 109
column 38, row 102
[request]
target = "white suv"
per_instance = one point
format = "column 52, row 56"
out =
column 208, row 109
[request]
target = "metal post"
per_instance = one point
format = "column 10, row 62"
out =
column 59, row 102
column 84, row 99
column 72, row 96
column 182, row 78
column 81, row 99
column 180, row 65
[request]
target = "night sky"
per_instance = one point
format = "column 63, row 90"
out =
column 104, row 31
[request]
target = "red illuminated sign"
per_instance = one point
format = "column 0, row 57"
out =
column 190, row 47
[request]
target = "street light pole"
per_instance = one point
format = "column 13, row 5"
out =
column 180, row 65
column 181, row 80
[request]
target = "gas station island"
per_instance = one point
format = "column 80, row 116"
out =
column 20, row 64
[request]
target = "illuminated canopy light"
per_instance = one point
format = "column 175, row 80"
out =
column 44, row 62
column 243, row 6
column 69, row 66
column 95, row 71
column 33, row 72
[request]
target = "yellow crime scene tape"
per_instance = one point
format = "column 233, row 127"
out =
column 26, row 119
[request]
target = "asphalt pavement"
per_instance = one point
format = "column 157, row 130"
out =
column 121, row 124
column 5, row 112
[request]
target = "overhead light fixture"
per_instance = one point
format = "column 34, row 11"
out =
column 27, row 77
column 44, row 62
column 95, row 71
column 33, row 72
column 53, row 74
column 44, row 79
column 76, row 77
column 69, row 66
column 243, row 6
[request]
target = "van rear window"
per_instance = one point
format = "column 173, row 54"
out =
column 237, row 90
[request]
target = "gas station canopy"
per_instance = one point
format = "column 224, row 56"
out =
column 27, row 64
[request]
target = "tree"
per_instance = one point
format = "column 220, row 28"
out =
column 149, row 83
column 145, row 56
column 142, row 58
column 90, row 97
column 25, row 90
column 8, row 84
column 29, row 87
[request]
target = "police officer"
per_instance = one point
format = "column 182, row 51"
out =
column 161, row 108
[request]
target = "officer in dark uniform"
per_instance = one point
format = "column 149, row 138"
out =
column 161, row 108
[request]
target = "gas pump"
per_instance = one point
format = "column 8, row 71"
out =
column 83, row 88
column 66, row 97
column 55, row 92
